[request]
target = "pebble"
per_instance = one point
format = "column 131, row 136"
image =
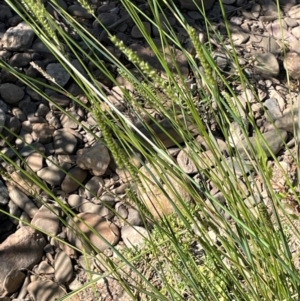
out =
column 18, row 38
column 63, row 267
column 21, row 200
column 291, row 64
column 52, row 175
column 275, row 140
column 106, row 229
column 64, row 142
column 266, row 65
column 73, row 179
column 11, row 93
column 58, row 73
column 273, row 108
column 134, row 236
column 79, row 11
column 95, row 159
column 47, row 219
column 136, row 33
column 45, row 290
column 21, row 241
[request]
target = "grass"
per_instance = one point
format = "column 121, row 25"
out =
column 210, row 247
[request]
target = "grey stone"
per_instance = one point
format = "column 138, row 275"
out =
column 79, row 11
column 93, row 186
column 47, row 219
column 63, row 267
column 288, row 121
column 75, row 201
column 53, row 175
column 64, row 142
column 95, row 158
column 26, row 246
column 15, row 211
column 4, row 196
column 73, row 179
column 58, row 73
column 239, row 37
column 108, row 233
column 237, row 166
column 134, row 217
column 291, row 63
column 60, row 99
column 2, row 119
column 194, row 4
column 98, row 209
column 45, row 290
column 11, row 93
column 266, row 65
column 18, row 38
column 35, row 162
column 20, row 59
column 21, row 199
column 136, row 33
column 45, row 268
column 134, row 236
column 42, row 132
column 274, row 140
column 13, row 281
column 273, row 108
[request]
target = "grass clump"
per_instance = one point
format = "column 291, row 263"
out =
column 225, row 238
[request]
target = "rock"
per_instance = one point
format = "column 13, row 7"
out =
column 23, row 202
column 288, row 121
column 2, row 119
column 13, row 281
column 239, row 37
column 20, row 60
column 291, row 64
column 134, row 236
column 26, row 245
column 90, row 221
column 47, row 219
column 75, row 201
column 147, row 55
column 42, row 132
column 95, row 158
column 294, row 12
column 53, row 175
column 136, row 33
column 18, row 38
column 45, row 268
column 58, row 73
column 60, row 99
column 266, row 65
column 4, row 196
column 35, row 162
column 93, row 187
column 98, row 209
column 191, row 163
column 45, row 290
column 273, row 108
column 73, row 179
column 24, row 184
column 194, row 4
column 79, row 11
column 64, row 142
column 275, row 140
column 63, row 267
column 11, row 93
column 134, row 217
column 161, row 203
column 238, row 167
